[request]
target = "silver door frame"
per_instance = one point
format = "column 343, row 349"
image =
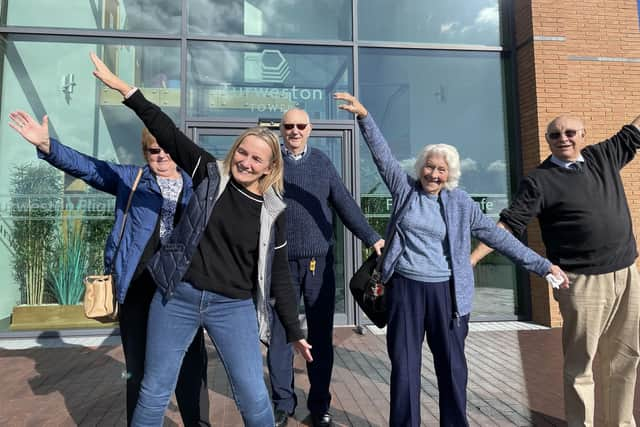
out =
column 350, row 175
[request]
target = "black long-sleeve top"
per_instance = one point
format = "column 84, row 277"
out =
column 584, row 216
column 221, row 231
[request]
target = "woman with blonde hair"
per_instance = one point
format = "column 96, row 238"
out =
column 224, row 263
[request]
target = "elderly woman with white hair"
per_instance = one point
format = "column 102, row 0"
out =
column 428, row 271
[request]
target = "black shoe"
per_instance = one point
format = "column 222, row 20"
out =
column 282, row 417
column 321, row 420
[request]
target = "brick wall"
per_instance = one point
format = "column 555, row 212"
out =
column 580, row 58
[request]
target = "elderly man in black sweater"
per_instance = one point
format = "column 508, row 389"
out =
column 578, row 197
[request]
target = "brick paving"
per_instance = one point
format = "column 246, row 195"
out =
column 515, row 379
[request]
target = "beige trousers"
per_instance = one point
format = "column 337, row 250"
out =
column 601, row 313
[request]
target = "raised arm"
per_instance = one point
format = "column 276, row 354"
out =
column 392, row 173
column 101, row 175
column 104, row 74
column 35, row 133
column 183, row 151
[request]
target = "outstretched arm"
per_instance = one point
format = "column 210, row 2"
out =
column 482, row 250
column 35, row 133
column 500, row 236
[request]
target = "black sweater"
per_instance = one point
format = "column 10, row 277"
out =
column 584, row 216
column 193, row 159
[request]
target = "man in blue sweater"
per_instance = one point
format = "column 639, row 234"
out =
column 578, row 197
column 312, row 187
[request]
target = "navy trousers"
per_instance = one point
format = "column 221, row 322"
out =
column 416, row 308
column 318, row 290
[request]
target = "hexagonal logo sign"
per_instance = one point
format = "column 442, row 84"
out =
column 275, row 68
column 268, row 66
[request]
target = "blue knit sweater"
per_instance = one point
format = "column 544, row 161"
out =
column 462, row 216
column 312, row 187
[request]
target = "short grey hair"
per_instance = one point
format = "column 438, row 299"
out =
column 450, row 155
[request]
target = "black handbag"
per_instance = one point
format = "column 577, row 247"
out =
column 367, row 288
column 369, row 292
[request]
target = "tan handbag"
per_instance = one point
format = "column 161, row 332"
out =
column 100, row 301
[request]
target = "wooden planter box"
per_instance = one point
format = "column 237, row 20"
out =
column 52, row 316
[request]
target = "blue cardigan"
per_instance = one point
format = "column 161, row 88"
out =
column 462, row 216
column 117, row 180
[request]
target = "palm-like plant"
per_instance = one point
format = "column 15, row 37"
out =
column 69, row 266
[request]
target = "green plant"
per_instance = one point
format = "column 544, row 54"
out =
column 69, row 266
column 97, row 224
column 35, row 190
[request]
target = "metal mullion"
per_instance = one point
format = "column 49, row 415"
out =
column 183, row 67
column 353, row 246
column 431, row 46
column 218, row 122
column 269, row 40
column 355, row 314
column 523, row 284
column 332, row 124
column 67, row 32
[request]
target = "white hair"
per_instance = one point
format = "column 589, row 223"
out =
column 450, row 155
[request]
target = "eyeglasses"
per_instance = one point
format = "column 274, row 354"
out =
column 569, row 133
column 300, row 126
column 154, row 150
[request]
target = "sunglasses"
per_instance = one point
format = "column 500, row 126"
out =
column 300, row 126
column 569, row 133
column 154, row 150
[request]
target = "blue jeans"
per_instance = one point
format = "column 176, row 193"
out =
column 233, row 328
column 192, row 392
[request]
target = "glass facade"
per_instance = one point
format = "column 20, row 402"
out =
column 302, row 19
column 162, row 16
column 427, row 71
column 473, row 22
column 242, row 80
column 461, row 103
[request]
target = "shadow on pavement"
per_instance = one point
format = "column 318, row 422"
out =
column 89, row 380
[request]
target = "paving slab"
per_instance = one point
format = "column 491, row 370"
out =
column 515, row 379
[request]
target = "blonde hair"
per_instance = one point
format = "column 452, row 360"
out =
column 450, row 155
column 274, row 179
column 147, row 141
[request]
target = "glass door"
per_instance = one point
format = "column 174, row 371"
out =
column 337, row 144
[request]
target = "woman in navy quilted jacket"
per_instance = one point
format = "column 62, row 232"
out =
column 162, row 193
